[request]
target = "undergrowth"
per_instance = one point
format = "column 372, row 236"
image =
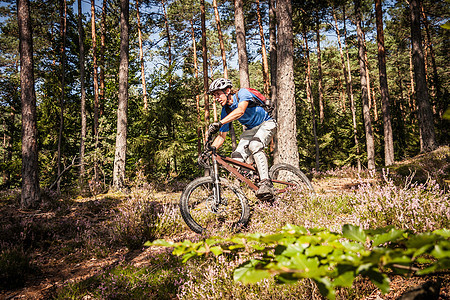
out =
column 94, row 228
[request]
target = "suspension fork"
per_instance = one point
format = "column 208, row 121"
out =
column 215, row 176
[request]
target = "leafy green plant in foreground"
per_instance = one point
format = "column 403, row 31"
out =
column 330, row 259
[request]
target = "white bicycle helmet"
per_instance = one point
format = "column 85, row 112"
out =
column 219, row 84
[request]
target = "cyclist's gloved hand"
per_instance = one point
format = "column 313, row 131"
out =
column 214, row 127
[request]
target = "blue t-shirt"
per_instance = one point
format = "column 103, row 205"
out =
column 253, row 116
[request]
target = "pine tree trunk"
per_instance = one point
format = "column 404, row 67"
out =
column 83, row 96
column 30, row 181
column 436, row 87
column 205, row 61
column 427, row 135
column 273, row 52
column 197, row 97
column 222, row 46
column 141, row 57
column 319, row 69
column 352, row 101
column 169, row 41
column 63, row 18
column 121, row 138
column 286, row 150
column 388, row 136
column 96, row 96
column 344, row 70
column 364, row 92
column 310, row 97
column 265, row 63
column 241, row 45
column 412, row 96
column 102, row 90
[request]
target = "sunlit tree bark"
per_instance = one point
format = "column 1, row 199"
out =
column 427, row 135
column 310, row 97
column 265, row 63
column 364, row 92
column 319, row 81
column 122, row 120
column 30, row 196
column 205, row 60
column 63, row 20
column 286, row 150
column 95, row 80
column 388, row 136
column 83, row 95
column 141, row 57
column 241, row 44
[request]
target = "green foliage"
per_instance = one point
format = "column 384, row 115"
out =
column 330, row 259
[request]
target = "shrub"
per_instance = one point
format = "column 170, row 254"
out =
column 14, row 267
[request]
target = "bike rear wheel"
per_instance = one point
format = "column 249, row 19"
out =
column 289, row 182
column 203, row 214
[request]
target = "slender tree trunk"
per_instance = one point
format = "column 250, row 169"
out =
column 273, row 52
column 426, row 125
column 412, row 96
column 141, row 57
column 197, row 97
column 436, row 87
column 366, row 60
column 344, row 70
column 286, row 150
column 241, row 45
column 96, row 96
column 364, row 92
column 102, row 89
column 205, row 61
column 30, row 181
column 388, row 136
column 319, row 69
column 310, row 97
column 83, row 96
column 63, row 18
column 121, row 138
column 265, row 63
column 222, row 46
column 352, row 101
column 225, row 69
column 169, row 41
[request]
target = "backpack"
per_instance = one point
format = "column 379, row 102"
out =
column 263, row 101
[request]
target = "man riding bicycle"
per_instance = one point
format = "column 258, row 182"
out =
column 259, row 128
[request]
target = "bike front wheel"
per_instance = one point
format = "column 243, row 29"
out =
column 203, row 213
column 289, row 182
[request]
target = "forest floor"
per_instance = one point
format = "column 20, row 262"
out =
column 54, row 262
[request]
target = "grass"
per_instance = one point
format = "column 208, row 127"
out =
column 112, row 228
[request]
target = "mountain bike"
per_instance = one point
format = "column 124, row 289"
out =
column 216, row 203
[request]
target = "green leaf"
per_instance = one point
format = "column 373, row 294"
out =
column 247, row 272
column 381, row 280
column 217, row 250
column 392, row 236
column 326, row 288
column 420, row 240
column 446, row 26
column 354, row 233
column 345, row 279
column 318, row 250
column 440, row 252
column 443, row 232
